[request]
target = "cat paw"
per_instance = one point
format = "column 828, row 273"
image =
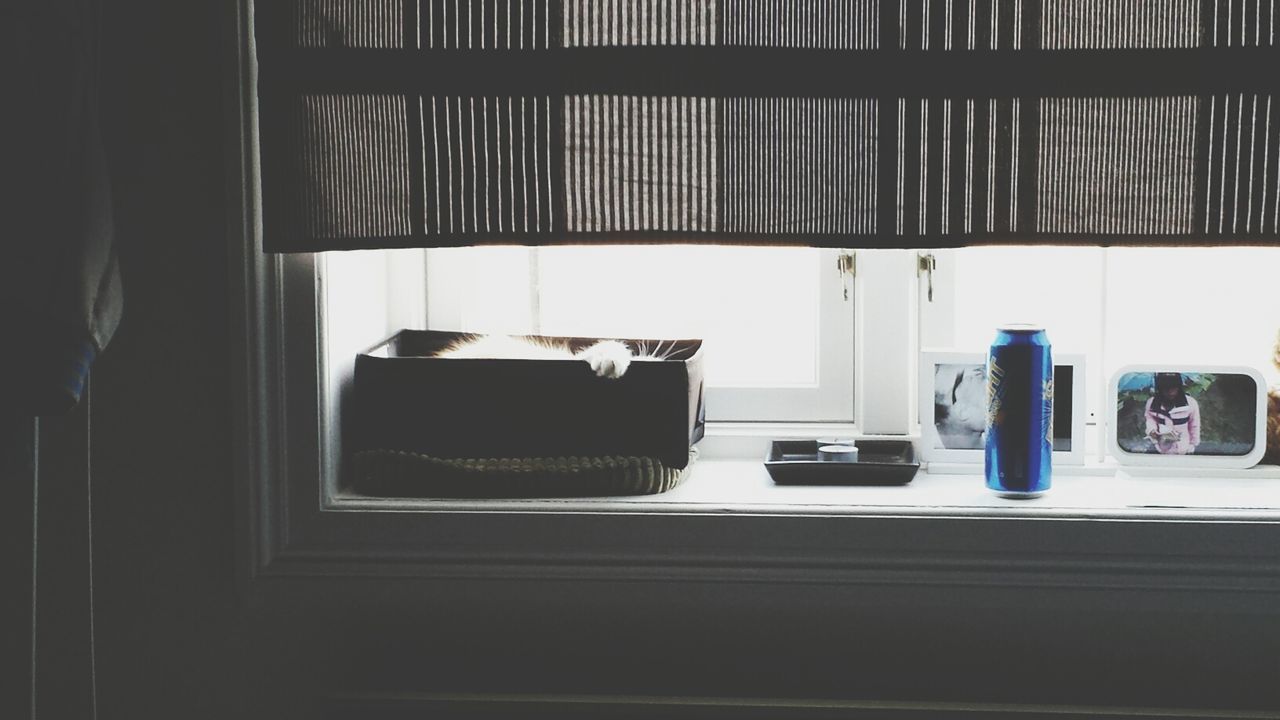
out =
column 608, row 358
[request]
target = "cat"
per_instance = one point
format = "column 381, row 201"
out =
column 607, row 358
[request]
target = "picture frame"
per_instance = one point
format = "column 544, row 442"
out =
column 1070, row 409
column 952, row 380
column 1221, row 424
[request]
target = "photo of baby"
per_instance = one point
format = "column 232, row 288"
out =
column 960, row 406
column 954, row 424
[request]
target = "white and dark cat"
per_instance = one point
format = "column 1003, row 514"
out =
column 607, row 358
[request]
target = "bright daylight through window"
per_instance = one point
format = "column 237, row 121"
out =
column 778, row 323
column 1120, row 306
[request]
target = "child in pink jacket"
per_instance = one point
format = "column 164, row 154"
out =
column 1173, row 418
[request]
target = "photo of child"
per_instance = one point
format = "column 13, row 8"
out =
column 1172, row 418
column 1186, row 413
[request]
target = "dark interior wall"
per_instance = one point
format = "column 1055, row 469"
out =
column 168, row 624
column 17, row 472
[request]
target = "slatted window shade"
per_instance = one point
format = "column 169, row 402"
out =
column 863, row 123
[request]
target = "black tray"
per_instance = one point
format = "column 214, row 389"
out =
column 880, row 462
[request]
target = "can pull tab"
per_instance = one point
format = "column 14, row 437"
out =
column 927, row 264
column 847, row 266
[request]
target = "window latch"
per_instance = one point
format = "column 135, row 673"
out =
column 927, row 263
column 847, row 265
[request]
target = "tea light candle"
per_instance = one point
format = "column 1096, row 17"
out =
column 838, row 453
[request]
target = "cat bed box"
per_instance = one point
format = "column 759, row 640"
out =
column 406, row 400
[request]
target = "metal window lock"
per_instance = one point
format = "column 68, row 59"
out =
column 927, row 263
column 847, row 266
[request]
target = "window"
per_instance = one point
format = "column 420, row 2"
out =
column 1117, row 306
column 776, row 323
column 299, row 319
column 784, row 345
column 789, row 332
column 346, row 302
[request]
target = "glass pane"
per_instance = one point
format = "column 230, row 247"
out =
column 1057, row 287
column 488, row 287
column 756, row 308
column 1193, row 305
column 1162, row 305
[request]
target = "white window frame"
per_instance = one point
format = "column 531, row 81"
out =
column 297, row 528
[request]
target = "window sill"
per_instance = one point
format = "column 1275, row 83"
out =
column 1201, row 542
column 1100, row 539
column 952, row 490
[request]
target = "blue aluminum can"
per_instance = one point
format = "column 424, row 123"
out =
column 1019, row 446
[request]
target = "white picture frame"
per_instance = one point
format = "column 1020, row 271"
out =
column 1122, row 438
column 961, row 445
column 1075, row 450
column 937, row 445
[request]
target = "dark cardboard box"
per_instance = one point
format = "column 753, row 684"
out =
column 480, row 408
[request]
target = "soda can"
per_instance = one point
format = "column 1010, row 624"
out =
column 1019, row 445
